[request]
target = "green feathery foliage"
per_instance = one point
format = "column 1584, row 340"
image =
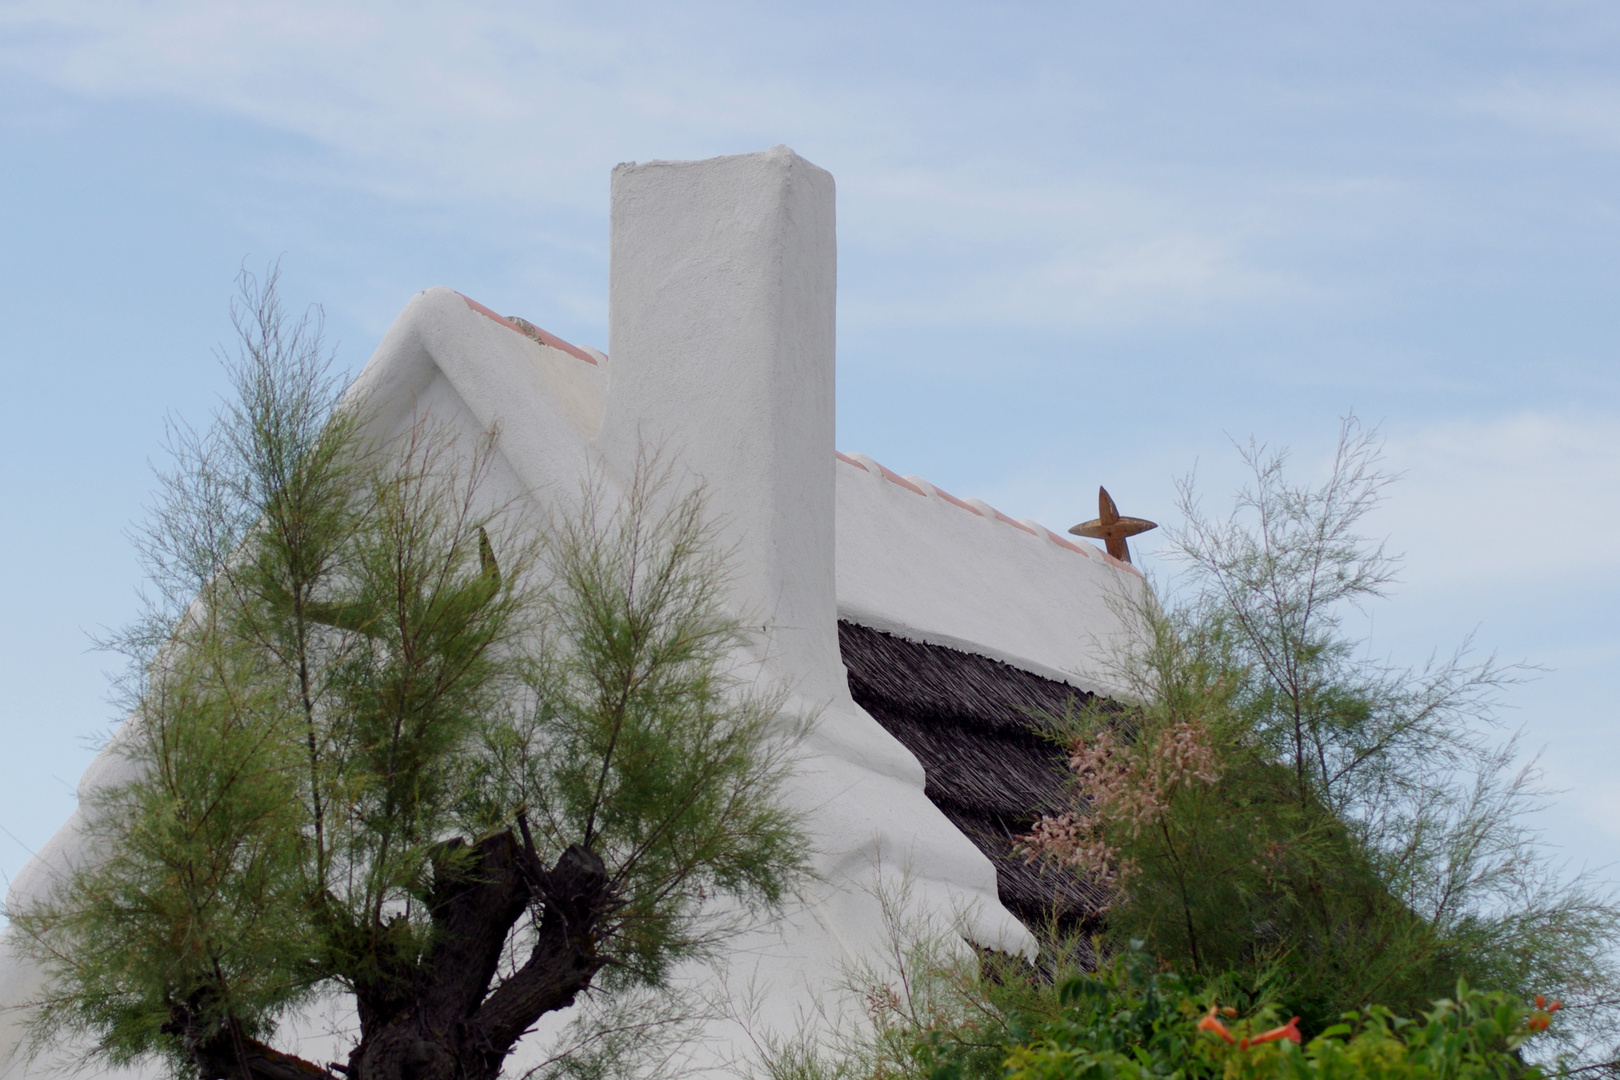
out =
column 639, row 747
column 394, row 742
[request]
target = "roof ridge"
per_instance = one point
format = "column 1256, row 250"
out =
column 531, row 331
column 919, row 486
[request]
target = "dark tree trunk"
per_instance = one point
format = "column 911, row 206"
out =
column 226, row 1054
column 440, row 1019
column 454, row 1028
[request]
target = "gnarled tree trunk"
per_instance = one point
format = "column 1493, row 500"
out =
column 445, row 1017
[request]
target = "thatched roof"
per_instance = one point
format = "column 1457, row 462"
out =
column 976, row 725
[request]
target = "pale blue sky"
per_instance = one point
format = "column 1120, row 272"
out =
column 1080, row 243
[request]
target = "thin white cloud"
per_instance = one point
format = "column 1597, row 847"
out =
column 1589, row 110
column 1527, row 499
column 1062, row 250
column 513, row 108
column 1125, row 282
column 465, row 102
column 1081, row 283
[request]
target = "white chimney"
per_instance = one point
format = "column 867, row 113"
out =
column 721, row 327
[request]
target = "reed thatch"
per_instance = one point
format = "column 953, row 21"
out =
column 981, row 730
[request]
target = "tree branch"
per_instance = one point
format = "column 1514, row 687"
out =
column 564, row 958
column 478, row 894
column 224, row 1053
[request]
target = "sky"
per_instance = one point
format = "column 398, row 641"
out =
column 1080, row 243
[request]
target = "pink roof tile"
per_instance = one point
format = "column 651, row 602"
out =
column 1118, row 565
column 1056, row 539
column 1010, row 521
column 954, row 501
column 895, row 478
column 546, row 338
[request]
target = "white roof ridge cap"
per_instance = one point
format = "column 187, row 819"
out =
column 991, row 512
column 442, row 333
column 869, row 463
column 403, row 362
column 1084, row 549
column 880, row 471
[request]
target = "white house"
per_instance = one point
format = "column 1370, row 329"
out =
column 721, row 348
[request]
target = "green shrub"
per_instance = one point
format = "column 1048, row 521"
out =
column 1131, row 1022
column 1269, row 799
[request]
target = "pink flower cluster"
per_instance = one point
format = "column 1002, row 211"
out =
column 1119, row 785
column 1075, row 840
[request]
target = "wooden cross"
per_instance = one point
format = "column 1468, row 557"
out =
column 1110, row 527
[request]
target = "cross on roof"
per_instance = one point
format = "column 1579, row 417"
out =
column 1110, row 527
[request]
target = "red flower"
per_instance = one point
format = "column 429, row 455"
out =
column 1289, row 1031
column 1210, row 1023
column 1543, row 1015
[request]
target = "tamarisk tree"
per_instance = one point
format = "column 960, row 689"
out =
column 1278, row 807
column 392, row 743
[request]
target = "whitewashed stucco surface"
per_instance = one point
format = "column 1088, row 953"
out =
column 915, row 563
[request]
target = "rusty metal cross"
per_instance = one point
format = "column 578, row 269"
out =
column 1108, row 526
